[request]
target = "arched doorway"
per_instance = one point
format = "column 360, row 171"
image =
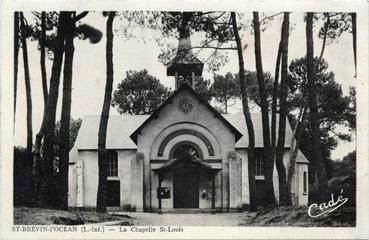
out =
column 186, row 177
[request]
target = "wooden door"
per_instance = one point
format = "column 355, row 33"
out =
column 185, row 188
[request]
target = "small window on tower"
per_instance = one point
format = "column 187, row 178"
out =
column 184, row 79
column 112, row 164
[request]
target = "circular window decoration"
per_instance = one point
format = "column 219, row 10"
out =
column 185, row 105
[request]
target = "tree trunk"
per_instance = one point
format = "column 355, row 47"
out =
column 353, row 19
column 28, row 91
column 326, row 26
column 16, row 54
column 101, row 202
column 294, row 148
column 65, row 114
column 274, row 101
column 269, row 164
column 282, row 175
column 311, row 76
column 225, row 104
column 36, row 155
column 43, row 57
column 246, row 112
column 47, row 130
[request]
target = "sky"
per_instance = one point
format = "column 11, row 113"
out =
column 139, row 53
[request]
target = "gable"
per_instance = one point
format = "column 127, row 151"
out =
column 185, row 102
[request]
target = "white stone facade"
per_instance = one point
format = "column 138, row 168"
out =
column 221, row 142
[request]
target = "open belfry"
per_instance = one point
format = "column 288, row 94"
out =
column 185, row 155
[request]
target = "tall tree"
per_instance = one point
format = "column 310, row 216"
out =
column 269, row 163
column 225, row 88
column 102, row 153
column 66, row 31
column 16, row 55
column 139, row 93
column 324, row 33
column 275, row 101
column 28, row 89
column 74, row 126
column 282, row 175
column 334, row 110
column 94, row 36
column 44, row 22
column 353, row 20
column 311, row 76
column 65, row 114
column 252, row 86
column 246, row 111
column 203, row 88
column 42, row 41
column 47, row 130
column 336, row 23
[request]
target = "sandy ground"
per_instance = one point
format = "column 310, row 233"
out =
column 281, row 216
column 41, row 216
column 297, row 216
column 189, row 219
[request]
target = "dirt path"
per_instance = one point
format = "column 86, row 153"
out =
column 188, row 219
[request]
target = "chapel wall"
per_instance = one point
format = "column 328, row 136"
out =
column 170, row 115
column 72, row 187
column 90, row 178
column 124, row 175
column 301, row 198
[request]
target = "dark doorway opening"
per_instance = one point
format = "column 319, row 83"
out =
column 260, row 192
column 186, row 177
column 185, row 188
column 113, row 193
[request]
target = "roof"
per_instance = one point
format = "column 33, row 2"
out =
column 184, row 59
column 120, row 127
column 118, row 131
column 171, row 164
column 184, row 87
column 238, row 121
column 338, row 180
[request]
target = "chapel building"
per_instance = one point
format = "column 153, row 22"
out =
column 186, row 155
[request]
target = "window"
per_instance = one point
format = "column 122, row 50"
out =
column 112, row 164
column 186, row 149
column 259, row 156
column 304, row 183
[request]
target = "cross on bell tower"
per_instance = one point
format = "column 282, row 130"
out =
column 184, row 66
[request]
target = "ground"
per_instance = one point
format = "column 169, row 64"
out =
column 297, row 216
column 281, row 216
column 189, row 219
column 41, row 216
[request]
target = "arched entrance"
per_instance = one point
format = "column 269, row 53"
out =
column 187, row 169
column 186, row 177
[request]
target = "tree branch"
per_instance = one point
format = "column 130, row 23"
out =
column 219, row 16
column 36, row 14
column 217, row 48
column 80, row 16
column 269, row 17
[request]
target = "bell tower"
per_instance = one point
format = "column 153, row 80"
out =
column 184, row 66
